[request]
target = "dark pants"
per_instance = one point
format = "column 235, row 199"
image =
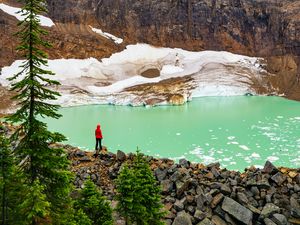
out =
column 98, row 141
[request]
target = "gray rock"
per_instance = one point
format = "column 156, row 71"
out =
column 269, row 209
column 296, row 188
column 225, row 189
column 184, row 163
column 182, row 186
column 121, row 156
column 80, row 153
column 199, row 215
column 269, row 222
column 295, row 208
column 205, row 222
column 201, row 201
column 269, row 168
column 279, row 219
column 160, row 174
column 242, row 198
column 178, row 205
column 217, row 220
column 182, row 218
column 278, row 178
column 85, row 159
column 239, row 212
column 176, row 176
column 167, row 186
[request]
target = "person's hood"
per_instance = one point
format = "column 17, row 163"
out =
column 98, row 127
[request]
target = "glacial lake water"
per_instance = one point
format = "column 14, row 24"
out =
column 236, row 131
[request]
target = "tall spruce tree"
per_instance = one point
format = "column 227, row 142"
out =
column 138, row 194
column 40, row 161
column 6, row 172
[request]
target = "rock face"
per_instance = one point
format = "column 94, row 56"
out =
column 267, row 28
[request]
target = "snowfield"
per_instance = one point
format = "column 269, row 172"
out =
column 92, row 81
column 13, row 11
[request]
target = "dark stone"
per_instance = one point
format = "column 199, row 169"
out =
column 182, row 186
column 225, row 189
column 85, row 159
column 216, row 200
column 279, row 219
column 167, row 186
column 278, row 178
column 184, row 163
column 270, row 168
column 176, row 176
column 160, row 174
column 80, row 153
column 179, row 205
column 242, row 198
column 295, row 208
column 269, row 209
column 182, row 218
column 217, row 220
column 239, row 212
column 206, row 221
column 121, row 156
column 199, row 215
column 269, row 222
column 216, row 165
column 201, row 201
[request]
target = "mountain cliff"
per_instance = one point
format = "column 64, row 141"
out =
column 263, row 28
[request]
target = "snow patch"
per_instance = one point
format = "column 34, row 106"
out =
column 107, row 35
column 13, row 11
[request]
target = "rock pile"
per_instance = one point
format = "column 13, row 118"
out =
column 206, row 195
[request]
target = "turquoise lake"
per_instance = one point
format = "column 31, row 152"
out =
column 236, row 131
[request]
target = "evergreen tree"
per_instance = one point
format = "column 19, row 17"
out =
column 94, row 205
column 35, row 209
column 126, row 194
column 6, row 172
column 39, row 161
column 138, row 194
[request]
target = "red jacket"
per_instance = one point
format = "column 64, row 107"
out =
column 98, row 132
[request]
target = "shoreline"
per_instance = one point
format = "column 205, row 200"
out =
column 203, row 194
column 197, row 194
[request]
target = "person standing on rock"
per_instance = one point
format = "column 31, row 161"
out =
column 98, row 135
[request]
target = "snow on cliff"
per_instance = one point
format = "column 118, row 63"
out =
column 13, row 11
column 86, row 81
column 107, row 35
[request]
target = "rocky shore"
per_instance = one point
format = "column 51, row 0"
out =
column 197, row 194
column 204, row 194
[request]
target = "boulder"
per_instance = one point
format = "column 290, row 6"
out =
column 217, row 220
column 160, row 174
column 184, row 163
column 295, row 208
column 270, row 168
column 167, row 186
column 182, row 218
column 206, row 221
column 269, row 222
column 279, row 219
column 199, row 215
column 269, row 209
column 278, row 178
column 216, row 200
column 121, row 156
column 239, row 212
